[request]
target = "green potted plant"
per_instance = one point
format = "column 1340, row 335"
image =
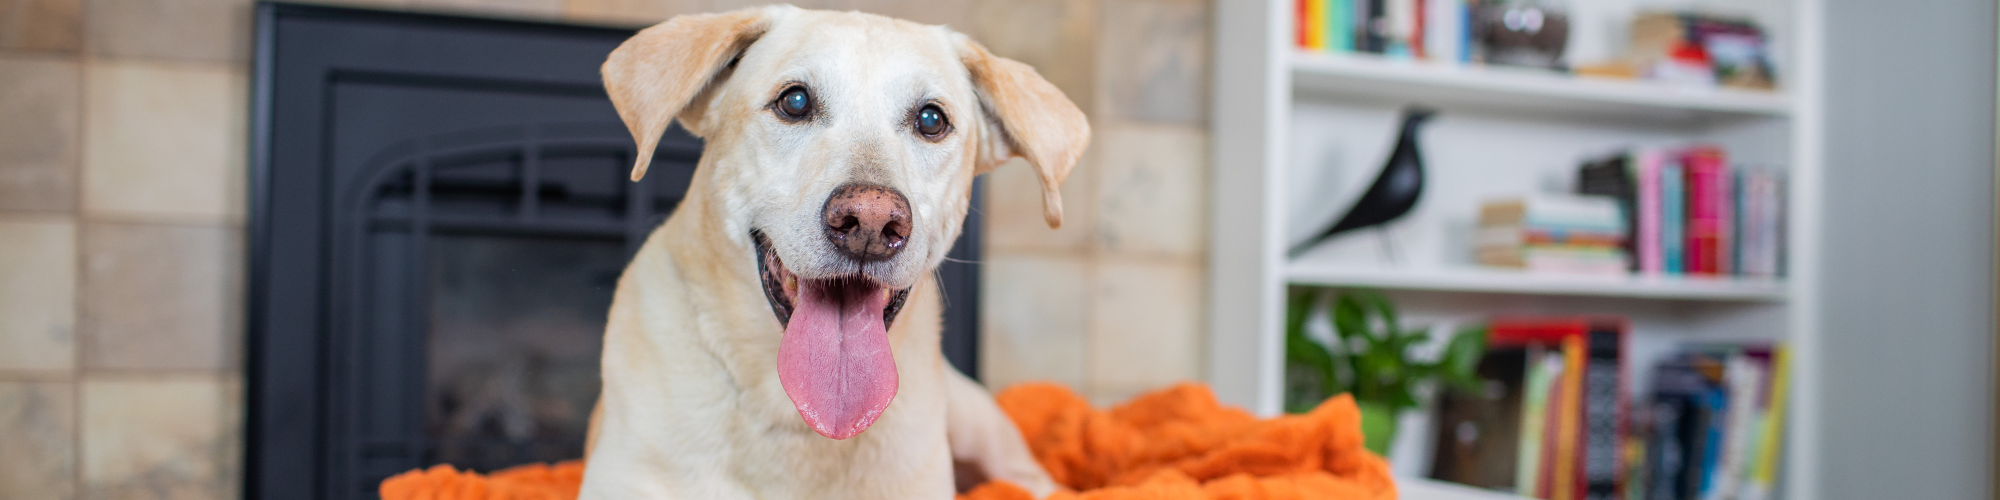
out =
column 1370, row 357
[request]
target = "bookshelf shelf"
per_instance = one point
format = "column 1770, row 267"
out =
column 1524, row 89
column 1479, row 280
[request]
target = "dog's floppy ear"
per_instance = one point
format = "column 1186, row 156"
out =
column 657, row 73
column 1026, row 116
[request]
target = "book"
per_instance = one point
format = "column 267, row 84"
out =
column 1743, row 378
column 1603, row 418
column 1543, row 369
column 1552, row 233
column 1679, row 423
column 1648, row 199
column 1314, row 20
column 1301, row 29
column 1764, row 464
column 1708, row 211
column 1569, row 428
column 1610, row 177
column 1340, row 26
column 1673, row 218
column 1442, row 29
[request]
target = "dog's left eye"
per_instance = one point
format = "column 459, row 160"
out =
column 931, row 122
column 795, row 103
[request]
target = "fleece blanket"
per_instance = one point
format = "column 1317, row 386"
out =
column 1176, row 443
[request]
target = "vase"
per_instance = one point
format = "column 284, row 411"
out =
column 1378, row 426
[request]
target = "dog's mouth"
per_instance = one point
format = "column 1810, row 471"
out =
column 834, row 361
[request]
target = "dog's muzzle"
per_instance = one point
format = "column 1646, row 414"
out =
column 834, row 360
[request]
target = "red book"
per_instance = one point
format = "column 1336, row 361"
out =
column 1708, row 207
column 1525, row 331
column 1417, row 31
column 1300, row 37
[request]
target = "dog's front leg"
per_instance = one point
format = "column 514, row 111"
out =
column 983, row 437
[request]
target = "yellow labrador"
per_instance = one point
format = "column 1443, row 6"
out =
column 778, row 336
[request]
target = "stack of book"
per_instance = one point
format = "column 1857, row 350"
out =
column 1553, row 233
column 1692, row 213
column 1437, row 30
column 1713, row 426
column 1556, row 420
column 1554, row 426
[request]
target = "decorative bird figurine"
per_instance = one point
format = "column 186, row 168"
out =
column 1395, row 190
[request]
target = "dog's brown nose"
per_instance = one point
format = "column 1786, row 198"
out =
column 867, row 222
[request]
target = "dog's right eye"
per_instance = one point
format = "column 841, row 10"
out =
column 795, row 103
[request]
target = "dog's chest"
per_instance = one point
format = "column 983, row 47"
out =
column 904, row 455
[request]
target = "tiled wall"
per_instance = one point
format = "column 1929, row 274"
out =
column 122, row 129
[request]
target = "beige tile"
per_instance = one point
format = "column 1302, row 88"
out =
column 1153, row 189
column 1145, row 326
column 522, row 8
column 1032, row 320
column 1154, row 64
column 39, row 111
column 954, row 13
column 160, row 296
column 1013, row 211
column 164, row 140
column 203, row 30
column 728, row 5
column 38, row 447
column 1056, row 37
column 172, row 438
column 52, row 25
column 633, row 12
column 37, row 294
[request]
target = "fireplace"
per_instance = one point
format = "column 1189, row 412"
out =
column 439, row 213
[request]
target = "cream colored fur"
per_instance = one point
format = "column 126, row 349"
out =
column 692, row 407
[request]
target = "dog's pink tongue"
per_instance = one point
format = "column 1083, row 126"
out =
column 835, row 361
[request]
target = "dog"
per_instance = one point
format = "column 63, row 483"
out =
column 777, row 336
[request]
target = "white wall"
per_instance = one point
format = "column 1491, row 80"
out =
column 1907, row 250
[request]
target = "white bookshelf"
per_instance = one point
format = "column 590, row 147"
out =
column 1487, row 280
column 1520, row 89
column 1298, row 135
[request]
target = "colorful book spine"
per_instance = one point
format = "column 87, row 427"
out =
column 1552, row 430
column 1715, row 404
column 1315, row 21
column 1373, row 24
column 1569, row 432
column 1673, row 218
column 1301, row 27
column 1603, row 418
column 1340, row 26
column 1650, row 261
column 1744, row 379
column 1764, row 466
column 1708, row 211
column 1543, row 369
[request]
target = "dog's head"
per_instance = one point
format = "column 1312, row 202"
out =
column 841, row 152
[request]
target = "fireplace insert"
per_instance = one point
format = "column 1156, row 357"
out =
column 439, row 214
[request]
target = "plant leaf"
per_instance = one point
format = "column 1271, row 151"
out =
column 1460, row 363
column 1349, row 318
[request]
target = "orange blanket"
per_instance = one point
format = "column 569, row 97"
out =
column 1177, row 443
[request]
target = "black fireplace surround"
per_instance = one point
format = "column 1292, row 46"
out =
column 439, row 212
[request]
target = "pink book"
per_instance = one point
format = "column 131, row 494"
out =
column 1650, row 262
column 1708, row 212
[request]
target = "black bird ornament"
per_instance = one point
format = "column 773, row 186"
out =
column 1395, row 190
